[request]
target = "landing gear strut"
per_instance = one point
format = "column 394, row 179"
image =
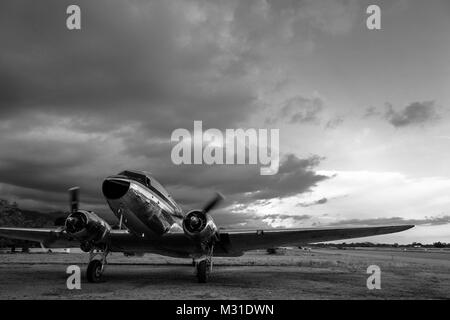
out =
column 204, row 267
column 204, row 270
column 96, row 266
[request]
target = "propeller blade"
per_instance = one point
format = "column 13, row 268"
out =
column 218, row 197
column 74, row 194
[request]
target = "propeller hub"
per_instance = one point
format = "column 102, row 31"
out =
column 195, row 222
column 74, row 223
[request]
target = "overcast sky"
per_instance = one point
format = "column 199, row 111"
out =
column 363, row 115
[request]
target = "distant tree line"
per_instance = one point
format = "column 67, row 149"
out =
column 382, row 245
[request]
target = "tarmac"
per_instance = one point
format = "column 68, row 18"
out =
column 291, row 274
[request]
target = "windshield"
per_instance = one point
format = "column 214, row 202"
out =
column 147, row 180
column 136, row 176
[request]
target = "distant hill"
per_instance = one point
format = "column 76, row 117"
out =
column 12, row 216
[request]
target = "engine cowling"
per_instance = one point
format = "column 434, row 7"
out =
column 199, row 226
column 87, row 227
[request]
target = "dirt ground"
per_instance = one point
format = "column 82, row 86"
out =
column 294, row 274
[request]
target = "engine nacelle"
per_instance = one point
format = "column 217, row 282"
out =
column 87, row 227
column 199, row 226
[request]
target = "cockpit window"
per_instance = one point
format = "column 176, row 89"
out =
column 160, row 188
column 147, row 180
column 136, row 176
column 144, row 179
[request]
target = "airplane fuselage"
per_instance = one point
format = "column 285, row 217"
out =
column 142, row 205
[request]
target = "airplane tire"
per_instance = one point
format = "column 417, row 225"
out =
column 94, row 271
column 203, row 271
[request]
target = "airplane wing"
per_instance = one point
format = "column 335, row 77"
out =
column 57, row 238
column 243, row 240
column 232, row 242
column 46, row 236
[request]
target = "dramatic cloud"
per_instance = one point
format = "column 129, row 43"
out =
column 414, row 114
column 248, row 219
column 313, row 203
column 371, row 111
column 168, row 61
column 242, row 184
column 417, row 113
column 149, row 63
column 432, row 221
column 300, row 110
column 77, row 106
column 286, row 216
column 42, row 163
column 334, row 123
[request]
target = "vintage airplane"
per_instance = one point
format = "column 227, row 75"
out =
column 151, row 221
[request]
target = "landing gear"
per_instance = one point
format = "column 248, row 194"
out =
column 96, row 267
column 204, row 267
column 204, row 270
column 94, row 271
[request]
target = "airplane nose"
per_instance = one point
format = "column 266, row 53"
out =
column 115, row 188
